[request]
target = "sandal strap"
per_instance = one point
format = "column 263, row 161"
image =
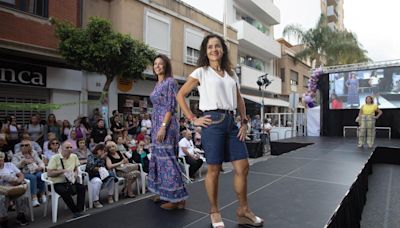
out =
column 218, row 224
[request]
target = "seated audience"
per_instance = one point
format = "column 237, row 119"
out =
column 63, row 171
column 49, row 137
column 82, row 151
column 99, row 132
column 28, row 161
column 72, row 139
column 141, row 155
column 186, row 151
column 35, row 145
column 116, row 160
column 142, row 135
column 35, row 130
column 53, row 149
column 10, row 175
column 96, row 162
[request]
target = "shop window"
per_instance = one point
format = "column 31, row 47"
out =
column 134, row 104
column 23, row 116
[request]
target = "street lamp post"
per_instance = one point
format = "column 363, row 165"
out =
column 263, row 81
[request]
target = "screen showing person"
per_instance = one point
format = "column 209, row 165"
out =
column 348, row 90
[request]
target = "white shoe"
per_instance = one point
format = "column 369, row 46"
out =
column 97, row 204
column 43, row 198
column 35, row 203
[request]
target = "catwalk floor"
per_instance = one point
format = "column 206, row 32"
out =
column 383, row 198
column 302, row 188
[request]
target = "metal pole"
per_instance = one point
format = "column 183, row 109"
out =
column 262, row 107
column 225, row 19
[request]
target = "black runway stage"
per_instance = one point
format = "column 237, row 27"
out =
column 319, row 185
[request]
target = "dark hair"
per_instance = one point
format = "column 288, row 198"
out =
column 114, row 111
column 85, row 123
column 97, row 148
column 79, row 140
column 127, row 116
column 50, row 142
column 167, row 65
column 55, row 119
column 372, row 99
column 203, row 61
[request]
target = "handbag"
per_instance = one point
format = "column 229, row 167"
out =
column 69, row 186
column 128, row 167
column 13, row 192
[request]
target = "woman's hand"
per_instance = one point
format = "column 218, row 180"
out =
column 203, row 121
column 161, row 135
column 242, row 132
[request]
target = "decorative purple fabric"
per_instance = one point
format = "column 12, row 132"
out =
column 165, row 178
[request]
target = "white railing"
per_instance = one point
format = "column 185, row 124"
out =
column 282, row 125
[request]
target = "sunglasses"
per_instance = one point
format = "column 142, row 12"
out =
column 55, row 143
column 68, row 147
column 25, row 145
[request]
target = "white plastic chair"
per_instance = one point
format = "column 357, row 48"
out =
column 54, row 197
column 143, row 176
column 86, row 181
column 29, row 196
column 185, row 166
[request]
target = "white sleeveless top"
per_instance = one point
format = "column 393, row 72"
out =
column 216, row 92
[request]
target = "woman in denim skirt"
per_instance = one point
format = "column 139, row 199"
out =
column 222, row 140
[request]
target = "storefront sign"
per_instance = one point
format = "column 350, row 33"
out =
column 124, row 85
column 22, row 74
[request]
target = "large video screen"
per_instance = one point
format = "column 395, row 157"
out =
column 347, row 90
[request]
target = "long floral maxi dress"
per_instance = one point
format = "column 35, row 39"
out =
column 164, row 177
column 353, row 97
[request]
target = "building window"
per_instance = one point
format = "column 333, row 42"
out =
column 158, row 32
column 305, row 81
column 36, row 7
column 193, row 41
column 283, row 74
column 192, row 55
column 294, row 78
column 252, row 62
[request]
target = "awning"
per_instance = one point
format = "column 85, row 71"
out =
column 267, row 101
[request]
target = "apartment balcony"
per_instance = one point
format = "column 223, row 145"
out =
column 332, row 14
column 332, row 26
column 254, row 41
column 265, row 10
column 333, row 2
column 249, row 77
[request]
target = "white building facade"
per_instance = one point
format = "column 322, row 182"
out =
column 258, row 51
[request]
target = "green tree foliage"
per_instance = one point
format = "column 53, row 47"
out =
column 327, row 46
column 97, row 48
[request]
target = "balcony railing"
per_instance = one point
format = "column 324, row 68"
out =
column 254, row 41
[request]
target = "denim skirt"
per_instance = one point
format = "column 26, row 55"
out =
column 219, row 139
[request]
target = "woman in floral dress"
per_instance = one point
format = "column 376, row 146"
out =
column 164, row 177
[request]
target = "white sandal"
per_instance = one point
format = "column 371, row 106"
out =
column 217, row 224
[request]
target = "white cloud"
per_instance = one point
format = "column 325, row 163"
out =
column 376, row 25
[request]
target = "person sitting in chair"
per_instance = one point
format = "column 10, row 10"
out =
column 62, row 170
column 186, row 151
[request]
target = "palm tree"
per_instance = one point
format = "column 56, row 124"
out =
column 326, row 46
